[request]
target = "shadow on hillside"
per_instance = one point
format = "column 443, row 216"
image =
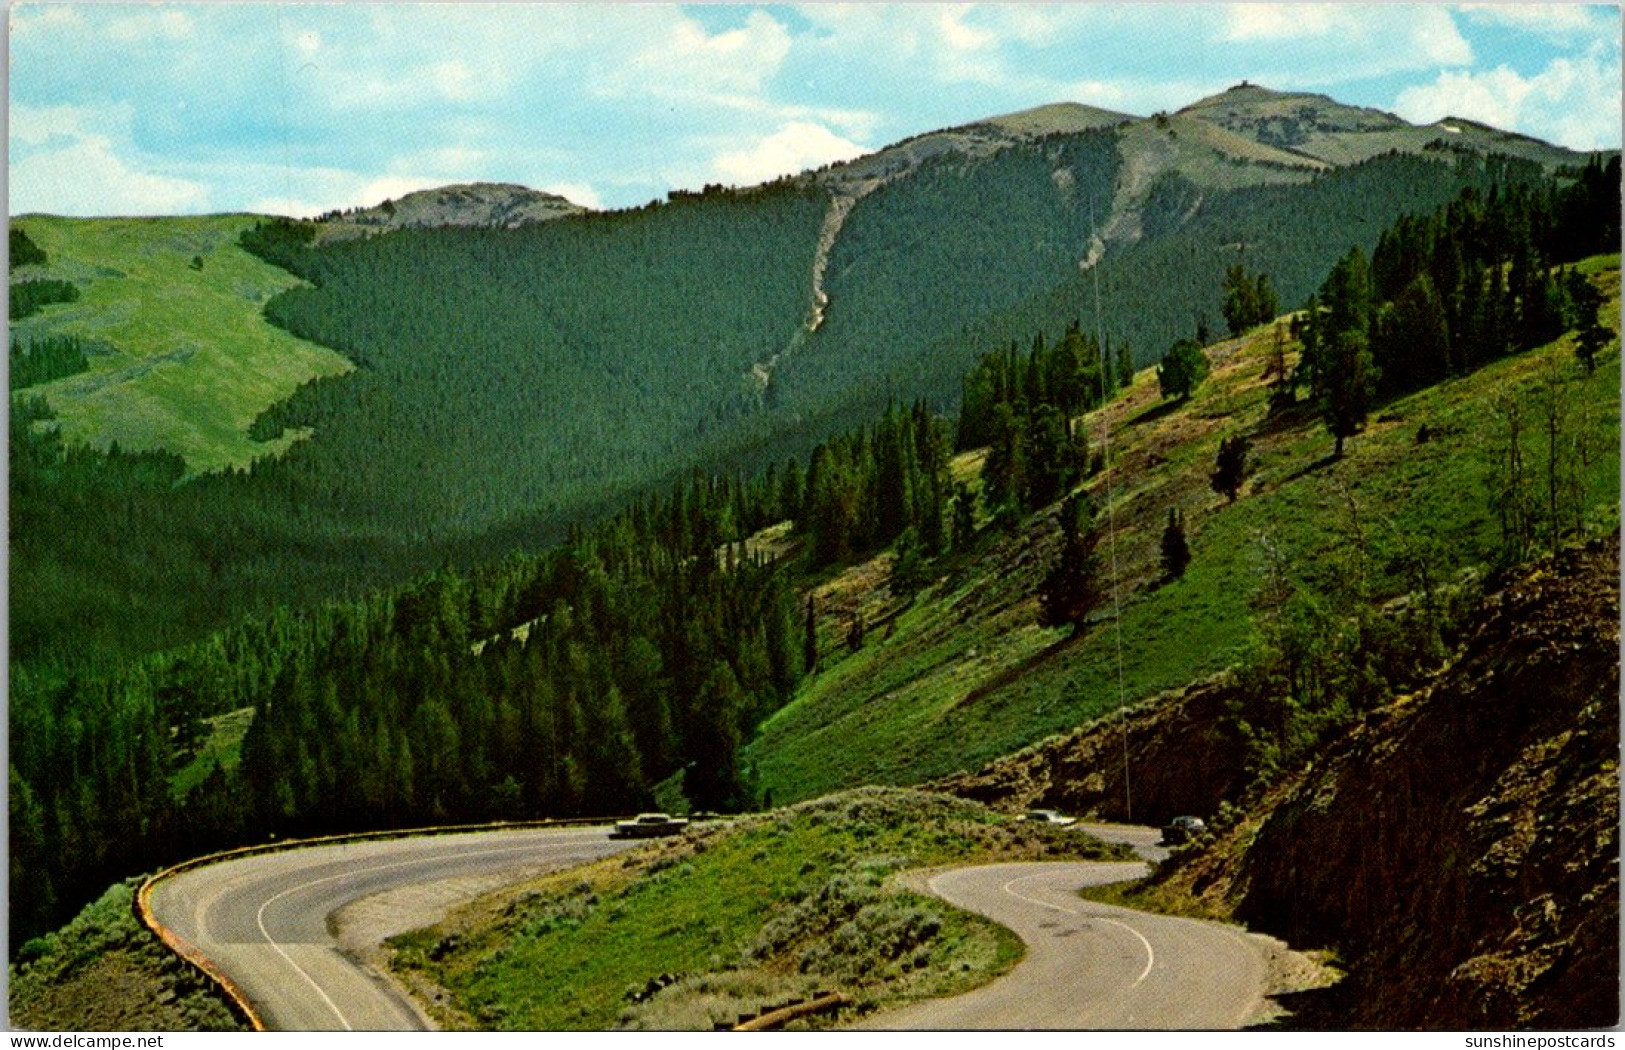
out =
column 1010, row 674
column 1157, row 411
column 1305, row 471
column 1287, row 417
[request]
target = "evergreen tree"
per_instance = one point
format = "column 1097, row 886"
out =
column 1240, row 300
column 1182, row 370
column 1350, row 382
column 809, row 659
column 964, row 515
column 1125, row 366
column 1176, row 553
column 1230, row 467
column 1074, row 586
column 712, row 780
column 1004, row 474
column 1052, row 462
column 1591, row 338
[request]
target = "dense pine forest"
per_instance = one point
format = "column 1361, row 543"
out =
column 646, row 649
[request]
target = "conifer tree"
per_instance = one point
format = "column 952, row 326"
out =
column 1182, row 369
column 809, row 657
column 1230, row 468
column 1125, row 366
column 1176, row 553
column 1074, row 586
column 1351, row 379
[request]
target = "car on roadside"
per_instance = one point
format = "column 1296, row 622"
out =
column 1181, row 830
column 1048, row 816
column 648, row 826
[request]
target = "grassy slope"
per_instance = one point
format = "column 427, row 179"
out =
column 105, row 972
column 222, row 746
column 187, row 360
column 745, row 915
column 965, row 674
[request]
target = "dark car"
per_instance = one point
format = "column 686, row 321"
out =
column 1182, row 829
column 648, row 826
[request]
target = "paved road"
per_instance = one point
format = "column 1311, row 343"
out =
column 1093, row 966
column 294, row 929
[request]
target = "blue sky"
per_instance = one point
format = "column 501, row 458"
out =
column 187, row 108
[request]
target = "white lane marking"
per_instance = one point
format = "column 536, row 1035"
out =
column 1150, row 955
column 259, row 917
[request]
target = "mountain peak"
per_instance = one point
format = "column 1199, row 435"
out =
column 493, row 204
column 1056, row 118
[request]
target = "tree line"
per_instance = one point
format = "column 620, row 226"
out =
column 1447, row 292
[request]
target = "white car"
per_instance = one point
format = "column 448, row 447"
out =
column 648, row 826
column 1048, row 816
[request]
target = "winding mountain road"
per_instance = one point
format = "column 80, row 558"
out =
column 296, row 930
column 1094, row 966
column 299, row 931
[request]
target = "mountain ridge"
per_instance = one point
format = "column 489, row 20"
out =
column 498, row 205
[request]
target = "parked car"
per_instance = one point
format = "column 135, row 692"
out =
column 1182, row 829
column 648, row 826
column 1048, row 816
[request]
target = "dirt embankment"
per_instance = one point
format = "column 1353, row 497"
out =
column 1182, row 756
column 1459, row 848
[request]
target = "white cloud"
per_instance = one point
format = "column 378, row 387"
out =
column 37, row 125
column 1280, row 21
column 41, row 17
column 685, row 60
column 1554, row 21
column 1375, row 38
column 576, row 193
column 1573, row 102
column 311, row 191
column 289, row 207
column 151, row 25
column 307, row 43
column 795, row 147
column 392, row 187
column 89, row 178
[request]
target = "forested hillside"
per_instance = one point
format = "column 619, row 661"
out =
column 511, row 382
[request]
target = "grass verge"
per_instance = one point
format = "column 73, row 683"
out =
column 730, row 919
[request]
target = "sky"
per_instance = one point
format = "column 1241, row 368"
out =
column 296, row 109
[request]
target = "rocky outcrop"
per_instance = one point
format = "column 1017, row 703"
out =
column 489, row 204
column 1176, row 753
column 1461, row 847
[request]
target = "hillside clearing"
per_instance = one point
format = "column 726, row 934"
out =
column 182, row 357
